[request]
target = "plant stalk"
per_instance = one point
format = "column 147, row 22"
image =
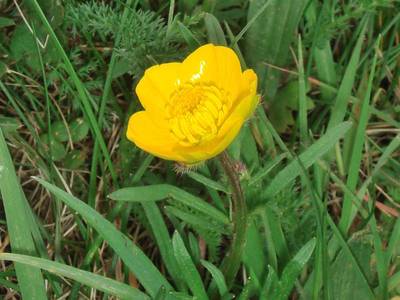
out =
column 231, row 264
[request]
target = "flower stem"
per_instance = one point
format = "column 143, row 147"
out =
column 231, row 264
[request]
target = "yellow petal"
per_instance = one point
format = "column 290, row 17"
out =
column 227, row 133
column 156, row 86
column 151, row 138
column 212, row 148
column 250, row 80
column 217, row 64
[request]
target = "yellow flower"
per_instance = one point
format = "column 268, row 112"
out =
column 194, row 109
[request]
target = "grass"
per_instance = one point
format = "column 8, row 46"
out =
column 87, row 215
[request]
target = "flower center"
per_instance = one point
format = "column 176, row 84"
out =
column 196, row 111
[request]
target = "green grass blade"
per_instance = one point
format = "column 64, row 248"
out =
column 105, row 96
column 82, row 92
column 30, row 280
column 196, row 221
column 263, row 172
column 160, row 232
column 394, row 281
column 302, row 119
column 321, row 50
column 340, row 104
column 147, row 274
column 188, row 269
column 308, row 158
column 207, row 182
column 214, row 30
column 101, row 283
column 217, row 276
column 294, row 268
column 162, row 191
column 269, row 37
column 348, row 209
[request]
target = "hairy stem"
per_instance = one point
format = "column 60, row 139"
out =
column 231, row 264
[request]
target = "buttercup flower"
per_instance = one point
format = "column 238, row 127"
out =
column 194, row 109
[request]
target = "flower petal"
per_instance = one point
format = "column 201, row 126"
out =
column 145, row 133
column 156, row 86
column 230, row 128
column 210, row 149
column 217, row 64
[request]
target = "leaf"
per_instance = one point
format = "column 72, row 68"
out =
column 3, row 70
column 5, row 22
column 139, row 264
column 198, row 222
column 271, row 286
column 269, row 38
column 162, row 191
column 294, row 267
column 101, row 283
column 164, row 243
column 214, row 31
column 79, row 130
column 188, row 269
column 307, row 158
column 217, row 276
column 253, row 254
column 30, row 280
column 340, row 104
column 189, row 37
column 53, row 147
column 346, row 281
column 75, row 159
column 357, row 146
column 59, row 131
column 8, row 124
column 208, row 182
column 281, row 111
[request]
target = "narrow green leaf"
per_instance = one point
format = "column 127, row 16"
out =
column 159, row 192
column 217, row 276
column 208, row 182
column 340, row 104
column 214, row 30
column 189, row 37
column 294, row 268
column 84, row 97
column 101, row 283
column 163, row 239
column 188, row 269
column 30, row 280
column 307, row 158
column 348, row 209
column 140, row 265
column 196, row 221
column 302, row 120
column 269, row 37
column 267, row 169
column 271, row 286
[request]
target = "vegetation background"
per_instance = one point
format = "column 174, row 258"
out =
column 319, row 161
